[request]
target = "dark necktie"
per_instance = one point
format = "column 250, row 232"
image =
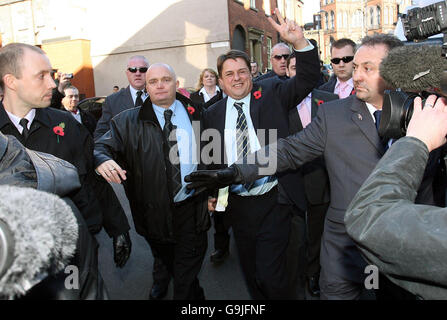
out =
column 24, row 123
column 171, row 154
column 242, row 141
column 139, row 100
column 377, row 116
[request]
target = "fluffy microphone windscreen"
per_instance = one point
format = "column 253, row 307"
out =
column 45, row 233
column 414, row 67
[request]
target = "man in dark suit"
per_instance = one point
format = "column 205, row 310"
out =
column 26, row 80
column 279, row 54
column 132, row 96
column 345, row 133
column 259, row 220
column 342, row 55
column 70, row 103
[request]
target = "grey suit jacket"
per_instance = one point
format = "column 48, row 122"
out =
column 114, row 104
column 345, row 134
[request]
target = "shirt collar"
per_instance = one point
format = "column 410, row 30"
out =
column 134, row 91
column 160, row 110
column 15, row 120
column 371, row 109
column 245, row 100
column 350, row 82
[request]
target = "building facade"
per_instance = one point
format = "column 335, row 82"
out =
column 354, row 19
column 94, row 39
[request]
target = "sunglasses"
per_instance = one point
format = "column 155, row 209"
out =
column 279, row 56
column 345, row 59
column 134, row 70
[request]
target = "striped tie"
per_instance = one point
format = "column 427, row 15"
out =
column 242, row 141
column 171, row 154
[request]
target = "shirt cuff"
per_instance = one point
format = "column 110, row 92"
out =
column 308, row 48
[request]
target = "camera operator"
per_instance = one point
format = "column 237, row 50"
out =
column 406, row 241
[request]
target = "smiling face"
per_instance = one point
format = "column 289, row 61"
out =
column 71, row 99
column 161, row 85
column 368, row 83
column 236, row 78
column 34, row 85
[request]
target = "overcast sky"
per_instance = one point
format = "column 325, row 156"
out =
column 310, row 7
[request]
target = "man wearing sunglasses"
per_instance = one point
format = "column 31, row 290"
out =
column 342, row 53
column 133, row 96
column 279, row 55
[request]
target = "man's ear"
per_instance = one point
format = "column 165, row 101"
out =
column 221, row 82
column 10, row 81
column 177, row 84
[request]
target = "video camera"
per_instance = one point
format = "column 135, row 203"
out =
column 419, row 24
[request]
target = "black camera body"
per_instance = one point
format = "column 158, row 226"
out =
column 419, row 24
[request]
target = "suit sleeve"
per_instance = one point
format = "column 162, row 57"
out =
column 103, row 122
column 406, row 241
column 294, row 90
column 289, row 153
column 110, row 145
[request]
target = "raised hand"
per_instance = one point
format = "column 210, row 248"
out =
column 289, row 31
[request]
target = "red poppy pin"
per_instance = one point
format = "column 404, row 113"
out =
column 353, row 91
column 319, row 102
column 191, row 109
column 59, row 130
column 258, row 93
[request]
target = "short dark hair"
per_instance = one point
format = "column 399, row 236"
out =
column 388, row 40
column 291, row 56
column 232, row 54
column 343, row 42
column 11, row 57
column 116, row 87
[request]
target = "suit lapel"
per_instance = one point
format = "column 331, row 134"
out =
column 295, row 124
column 128, row 98
column 255, row 105
column 363, row 119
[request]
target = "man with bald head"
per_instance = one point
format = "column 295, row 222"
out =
column 280, row 53
column 133, row 96
column 153, row 147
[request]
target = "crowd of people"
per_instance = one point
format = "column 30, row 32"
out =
column 287, row 220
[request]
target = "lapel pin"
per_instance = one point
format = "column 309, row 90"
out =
column 359, row 116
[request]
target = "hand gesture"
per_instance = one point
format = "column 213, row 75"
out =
column 63, row 81
column 111, row 171
column 429, row 124
column 289, row 31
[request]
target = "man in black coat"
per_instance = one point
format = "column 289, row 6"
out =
column 26, row 79
column 260, row 220
column 152, row 148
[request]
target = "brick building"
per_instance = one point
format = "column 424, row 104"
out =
column 354, row 19
column 94, row 39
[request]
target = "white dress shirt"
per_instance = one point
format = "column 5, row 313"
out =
column 15, row 120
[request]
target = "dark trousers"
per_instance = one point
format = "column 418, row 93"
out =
column 315, row 216
column 221, row 226
column 184, row 258
column 261, row 232
column 296, row 253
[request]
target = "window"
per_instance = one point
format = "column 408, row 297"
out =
column 267, row 9
column 269, row 53
column 379, row 21
column 371, row 17
column 345, row 19
column 290, row 10
column 332, row 20
column 253, row 4
column 326, row 21
column 339, row 20
column 281, row 7
column 385, row 16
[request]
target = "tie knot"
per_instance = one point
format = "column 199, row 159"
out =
column 238, row 106
column 168, row 115
column 24, row 123
column 139, row 93
column 377, row 115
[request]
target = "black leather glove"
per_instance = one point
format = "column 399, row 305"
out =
column 212, row 179
column 122, row 246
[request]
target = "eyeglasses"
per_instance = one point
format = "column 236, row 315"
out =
column 134, row 70
column 279, row 56
column 346, row 59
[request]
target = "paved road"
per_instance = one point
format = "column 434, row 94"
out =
column 133, row 282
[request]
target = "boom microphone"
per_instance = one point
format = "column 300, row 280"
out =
column 38, row 234
column 415, row 68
